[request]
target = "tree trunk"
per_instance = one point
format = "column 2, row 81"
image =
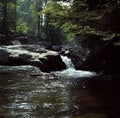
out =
column 4, row 12
column 15, row 17
column 41, row 26
column 39, row 19
column 38, row 26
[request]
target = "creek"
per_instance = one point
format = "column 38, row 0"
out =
column 63, row 94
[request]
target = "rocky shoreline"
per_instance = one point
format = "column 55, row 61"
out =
column 90, row 52
column 87, row 52
column 33, row 55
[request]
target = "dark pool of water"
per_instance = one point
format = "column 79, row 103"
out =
column 26, row 96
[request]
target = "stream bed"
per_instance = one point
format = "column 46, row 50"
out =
column 25, row 92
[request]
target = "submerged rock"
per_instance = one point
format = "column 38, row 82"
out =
column 31, row 55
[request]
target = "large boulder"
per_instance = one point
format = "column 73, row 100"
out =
column 31, row 55
column 90, row 52
column 106, row 58
column 82, row 47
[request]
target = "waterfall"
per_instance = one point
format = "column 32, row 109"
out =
column 71, row 72
column 67, row 62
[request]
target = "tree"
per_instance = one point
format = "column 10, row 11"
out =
column 44, row 19
column 15, row 12
column 4, row 14
column 82, row 16
column 39, row 18
column 9, row 9
column 59, row 16
column 53, row 33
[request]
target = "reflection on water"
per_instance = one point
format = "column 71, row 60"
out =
column 25, row 96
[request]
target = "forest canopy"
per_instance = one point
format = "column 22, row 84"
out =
column 60, row 20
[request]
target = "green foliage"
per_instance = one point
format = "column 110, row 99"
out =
column 81, row 16
column 11, row 6
column 49, row 18
column 22, row 26
column 58, row 15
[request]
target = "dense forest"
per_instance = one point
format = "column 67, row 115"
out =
column 60, row 20
column 59, row 58
column 57, row 22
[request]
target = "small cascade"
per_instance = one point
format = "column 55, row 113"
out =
column 71, row 72
column 67, row 61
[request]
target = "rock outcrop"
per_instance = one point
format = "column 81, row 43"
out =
column 31, row 55
column 82, row 47
column 90, row 52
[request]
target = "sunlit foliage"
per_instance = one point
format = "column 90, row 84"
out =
column 45, row 19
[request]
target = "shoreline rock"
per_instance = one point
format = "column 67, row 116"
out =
column 31, row 55
column 90, row 52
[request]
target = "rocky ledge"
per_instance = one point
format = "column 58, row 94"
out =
column 90, row 52
column 31, row 55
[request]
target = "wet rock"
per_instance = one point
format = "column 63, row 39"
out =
column 45, row 44
column 31, row 55
column 56, row 47
column 16, row 42
column 4, row 56
column 81, row 48
column 107, row 59
column 89, row 52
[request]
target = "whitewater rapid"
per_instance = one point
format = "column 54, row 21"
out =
column 71, row 72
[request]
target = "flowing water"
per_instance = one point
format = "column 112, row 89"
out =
column 25, row 92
